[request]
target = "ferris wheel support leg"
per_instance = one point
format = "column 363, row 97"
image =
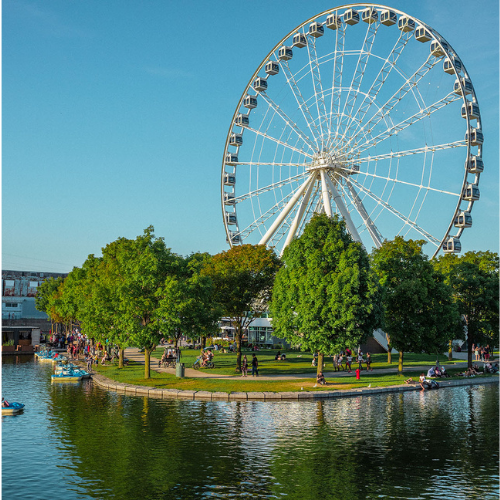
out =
column 372, row 228
column 300, row 213
column 343, row 211
column 281, row 217
column 325, row 194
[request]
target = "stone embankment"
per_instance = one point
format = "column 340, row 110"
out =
column 139, row 390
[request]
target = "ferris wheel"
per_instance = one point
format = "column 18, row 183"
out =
column 363, row 111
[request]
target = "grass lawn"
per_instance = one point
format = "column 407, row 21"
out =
column 296, row 362
column 134, row 374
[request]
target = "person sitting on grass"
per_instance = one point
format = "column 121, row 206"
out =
column 423, row 382
column 320, row 379
column 278, row 356
column 283, row 357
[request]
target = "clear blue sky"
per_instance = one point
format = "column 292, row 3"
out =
column 115, row 116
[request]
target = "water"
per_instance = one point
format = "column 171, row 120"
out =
column 80, row 442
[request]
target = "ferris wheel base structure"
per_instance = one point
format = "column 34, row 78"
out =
column 361, row 111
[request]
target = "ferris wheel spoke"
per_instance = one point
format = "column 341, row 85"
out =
column 298, row 216
column 397, row 97
column 288, row 121
column 357, row 79
column 313, row 207
column 389, row 63
column 318, row 90
column 306, row 113
column 270, row 164
column 339, row 202
column 338, row 65
column 278, row 141
column 408, row 152
column 399, row 181
column 285, row 211
column 370, row 225
column 395, row 129
column 270, row 187
column 398, row 214
column 264, row 217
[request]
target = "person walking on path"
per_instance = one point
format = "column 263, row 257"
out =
column 368, row 362
column 255, row 365
column 335, row 362
column 349, row 362
column 244, row 366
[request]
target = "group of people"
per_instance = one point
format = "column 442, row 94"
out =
column 343, row 361
column 481, row 353
column 280, row 357
column 169, row 357
column 437, row 371
column 255, row 366
column 205, row 358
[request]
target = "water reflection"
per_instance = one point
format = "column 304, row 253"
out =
column 95, row 444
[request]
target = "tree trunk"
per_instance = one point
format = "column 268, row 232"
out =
column 147, row 370
column 321, row 360
column 400, row 364
column 238, row 336
column 203, row 341
column 389, row 349
column 450, row 350
column 121, row 355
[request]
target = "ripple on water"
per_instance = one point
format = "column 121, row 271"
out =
column 88, row 443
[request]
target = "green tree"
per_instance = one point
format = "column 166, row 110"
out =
column 325, row 297
column 46, row 296
column 420, row 315
column 187, row 303
column 474, row 280
column 136, row 270
column 243, row 278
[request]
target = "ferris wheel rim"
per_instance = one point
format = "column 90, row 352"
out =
column 449, row 52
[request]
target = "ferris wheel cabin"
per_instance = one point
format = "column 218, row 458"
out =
column 476, row 137
column 228, row 199
column 316, row 30
column 475, row 165
column 272, row 68
column 388, row 17
column 250, row 101
column 333, row 21
column 230, row 218
column 462, row 82
column 437, row 49
column 285, row 53
column 406, row 23
column 235, row 238
column 229, row 179
column 242, row 120
column 236, row 140
column 369, row 15
column 463, row 219
column 231, row 159
column 473, row 110
column 452, row 245
column 422, row 35
column 471, row 192
column 299, row 40
column 260, row 84
column 452, row 64
column 351, row 17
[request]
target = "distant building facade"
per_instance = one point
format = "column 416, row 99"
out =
column 20, row 317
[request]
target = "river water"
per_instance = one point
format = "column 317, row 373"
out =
column 77, row 441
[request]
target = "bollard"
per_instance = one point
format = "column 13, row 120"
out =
column 357, row 373
column 179, row 370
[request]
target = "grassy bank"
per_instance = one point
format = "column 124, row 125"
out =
column 296, row 362
column 134, row 374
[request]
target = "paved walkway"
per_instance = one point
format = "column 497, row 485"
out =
column 133, row 354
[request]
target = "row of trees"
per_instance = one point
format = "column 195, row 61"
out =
column 139, row 291
column 326, row 293
column 330, row 294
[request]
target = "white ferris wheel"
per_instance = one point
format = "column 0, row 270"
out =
column 363, row 111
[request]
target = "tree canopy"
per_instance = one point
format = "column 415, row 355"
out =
column 243, row 278
column 473, row 278
column 419, row 312
column 325, row 296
